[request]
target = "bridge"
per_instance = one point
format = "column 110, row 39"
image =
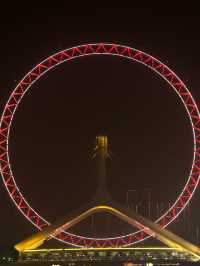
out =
column 177, row 249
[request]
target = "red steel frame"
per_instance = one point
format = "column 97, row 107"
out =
column 86, row 50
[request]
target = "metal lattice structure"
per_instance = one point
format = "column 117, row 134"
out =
column 70, row 54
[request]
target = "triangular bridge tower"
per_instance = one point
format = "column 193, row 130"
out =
column 102, row 202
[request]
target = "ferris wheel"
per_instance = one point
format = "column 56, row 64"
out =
column 82, row 51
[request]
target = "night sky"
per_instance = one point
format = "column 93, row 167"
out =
column 53, row 134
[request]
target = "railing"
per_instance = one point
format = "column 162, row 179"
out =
column 109, row 255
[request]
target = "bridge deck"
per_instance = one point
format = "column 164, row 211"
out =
column 78, row 255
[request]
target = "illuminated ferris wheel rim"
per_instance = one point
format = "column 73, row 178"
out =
column 98, row 49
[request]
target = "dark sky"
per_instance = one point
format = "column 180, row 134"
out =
column 55, row 126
